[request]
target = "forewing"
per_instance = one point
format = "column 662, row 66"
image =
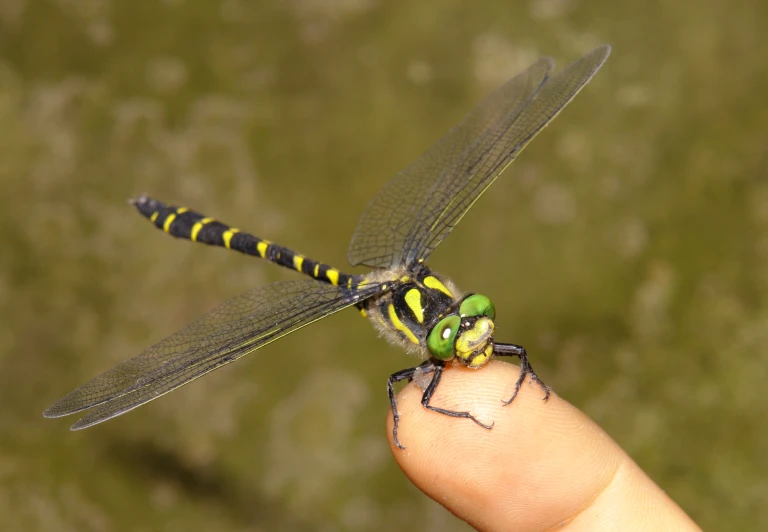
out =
column 380, row 237
column 420, row 206
column 232, row 330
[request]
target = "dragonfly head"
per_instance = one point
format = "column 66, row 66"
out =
column 466, row 335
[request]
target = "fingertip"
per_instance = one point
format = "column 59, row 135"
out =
column 542, row 464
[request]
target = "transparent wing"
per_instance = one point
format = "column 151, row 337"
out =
column 232, row 330
column 420, row 206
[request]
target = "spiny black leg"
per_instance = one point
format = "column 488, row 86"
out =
column 509, row 350
column 406, row 374
column 524, row 369
column 438, row 370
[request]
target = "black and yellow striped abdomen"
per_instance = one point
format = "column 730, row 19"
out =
column 182, row 222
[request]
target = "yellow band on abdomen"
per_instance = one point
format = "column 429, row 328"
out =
column 168, row 222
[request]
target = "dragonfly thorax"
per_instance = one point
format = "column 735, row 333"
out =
column 425, row 313
column 407, row 313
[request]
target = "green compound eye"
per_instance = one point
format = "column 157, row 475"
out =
column 442, row 336
column 477, row 305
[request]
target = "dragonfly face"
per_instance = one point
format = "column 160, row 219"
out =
column 466, row 335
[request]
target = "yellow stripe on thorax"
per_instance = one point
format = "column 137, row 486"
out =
column 168, row 222
column 228, row 234
column 196, row 228
column 399, row 325
column 182, row 210
column 317, row 271
column 154, row 216
column 262, row 247
column 435, row 284
column 413, row 300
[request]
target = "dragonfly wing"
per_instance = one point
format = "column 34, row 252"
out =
column 419, row 207
column 232, row 330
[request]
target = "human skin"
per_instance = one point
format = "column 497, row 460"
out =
column 543, row 466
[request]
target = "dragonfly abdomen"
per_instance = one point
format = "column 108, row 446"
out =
column 182, row 222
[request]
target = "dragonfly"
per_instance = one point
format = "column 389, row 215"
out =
column 411, row 305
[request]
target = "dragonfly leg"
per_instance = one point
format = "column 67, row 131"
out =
column 406, row 374
column 512, row 350
column 438, row 371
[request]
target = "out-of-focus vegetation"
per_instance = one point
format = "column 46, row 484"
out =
column 627, row 248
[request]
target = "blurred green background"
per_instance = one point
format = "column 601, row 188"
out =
column 626, row 248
